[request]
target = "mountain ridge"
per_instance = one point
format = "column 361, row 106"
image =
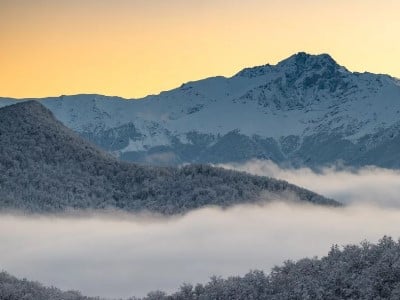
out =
column 267, row 65
column 288, row 112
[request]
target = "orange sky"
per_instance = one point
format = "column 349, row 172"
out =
column 132, row 48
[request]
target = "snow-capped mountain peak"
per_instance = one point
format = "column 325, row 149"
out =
column 270, row 111
column 296, row 64
column 305, row 61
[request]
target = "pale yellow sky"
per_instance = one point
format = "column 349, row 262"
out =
column 132, row 48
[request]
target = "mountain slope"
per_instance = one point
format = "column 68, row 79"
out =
column 45, row 167
column 306, row 110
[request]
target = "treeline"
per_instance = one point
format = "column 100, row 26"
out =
column 45, row 167
column 366, row 271
column 12, row 288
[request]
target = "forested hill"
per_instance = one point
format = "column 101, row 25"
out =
column 369, row 271
column 46, row 167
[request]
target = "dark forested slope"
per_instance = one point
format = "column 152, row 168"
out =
column 45, row 167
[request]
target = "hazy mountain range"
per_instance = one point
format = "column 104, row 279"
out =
column 306, row 110
column 46, row 167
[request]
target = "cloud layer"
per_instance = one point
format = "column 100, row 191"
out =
column 362, row 186
column 121, row 255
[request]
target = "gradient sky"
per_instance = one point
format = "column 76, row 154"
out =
column 139, row 47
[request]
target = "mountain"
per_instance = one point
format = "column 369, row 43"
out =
column 46, row 167
column 305, row 111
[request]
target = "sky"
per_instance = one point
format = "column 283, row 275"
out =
column 132, row 48
column 118, row 255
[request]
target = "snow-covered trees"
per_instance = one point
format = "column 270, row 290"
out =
column 367, row 271
column 45, row 167
column 12, row 288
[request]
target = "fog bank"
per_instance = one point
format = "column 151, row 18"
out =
column 368, row 185
column 114, row 257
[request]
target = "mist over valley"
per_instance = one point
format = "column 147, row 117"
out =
column 118, row 254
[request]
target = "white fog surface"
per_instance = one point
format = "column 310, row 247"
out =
column 368, row 185
column 122, row 255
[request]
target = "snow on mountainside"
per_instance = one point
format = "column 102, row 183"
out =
column 306, row 110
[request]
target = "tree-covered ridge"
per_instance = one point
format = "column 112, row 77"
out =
column 12, row 288
column 45, row 167
column 366, row 271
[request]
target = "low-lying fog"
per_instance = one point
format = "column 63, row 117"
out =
column 124, row 255
column 366, row 185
